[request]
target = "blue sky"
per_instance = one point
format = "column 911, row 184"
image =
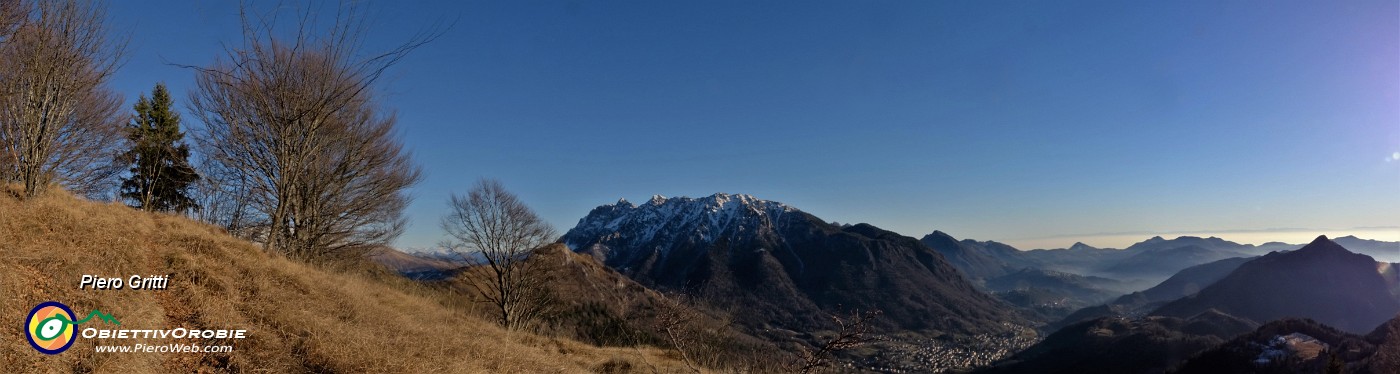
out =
column 1034, row 123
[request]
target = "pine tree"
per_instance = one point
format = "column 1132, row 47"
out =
column 1335, row 364
column 160, row 169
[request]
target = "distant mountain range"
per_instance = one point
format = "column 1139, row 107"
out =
column 777, row 274
column 1158, row 257
column 1312, row 301
column 979, row 260
column 1380, row 250
column 1137, row 266
column 415, row 265
column 1083, row 275
column 1187, row 282
column 1288, row 284
column 776, row 267
column 1322, row 281
column 1154, row 259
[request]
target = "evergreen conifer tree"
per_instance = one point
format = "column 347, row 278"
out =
column 160, row 169
column 1335, row 364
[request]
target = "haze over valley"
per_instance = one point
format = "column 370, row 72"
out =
column 560, row 186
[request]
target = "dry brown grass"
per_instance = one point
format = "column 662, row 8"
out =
column 299, row 318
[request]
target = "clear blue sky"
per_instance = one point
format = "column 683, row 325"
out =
column 1035, row 123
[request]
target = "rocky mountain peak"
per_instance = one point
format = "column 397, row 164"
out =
column 703, row 219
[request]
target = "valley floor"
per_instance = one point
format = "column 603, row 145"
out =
column 924, row 355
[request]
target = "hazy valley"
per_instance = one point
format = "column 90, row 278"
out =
column 771, row 272
column 344, row 186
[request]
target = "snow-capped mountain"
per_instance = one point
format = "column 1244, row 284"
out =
column 660, row 222
column 776, row 266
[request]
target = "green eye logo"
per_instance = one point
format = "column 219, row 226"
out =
column 50, row 326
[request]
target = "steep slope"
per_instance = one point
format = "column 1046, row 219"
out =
column 773, row 266
column 1184, row 283
column 976, row 261
column 1387, row 341
column 1013, row 277
column 602, row 307
column 1380, row 250
column 1322, row 281
column 298, row 318
column 979, row 260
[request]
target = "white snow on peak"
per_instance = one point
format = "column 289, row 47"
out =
column 676, row 220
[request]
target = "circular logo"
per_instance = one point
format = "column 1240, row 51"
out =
column 50, row 327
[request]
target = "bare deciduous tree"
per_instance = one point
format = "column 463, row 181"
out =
column 312, row 162
column 12, row 14
column 224, row 200
column 58, row 123
column 493, row 230
column 675, row 321
column 703, row 337
column 852, row 331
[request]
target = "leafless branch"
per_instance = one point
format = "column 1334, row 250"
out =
column 59, row 124
column 493, row 230
column 299, row 140
column 852, row 331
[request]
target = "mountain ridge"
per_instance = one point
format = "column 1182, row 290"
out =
column 777, row 267
column 1324, row 281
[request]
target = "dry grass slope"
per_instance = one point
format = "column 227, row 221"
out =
column 299, row 318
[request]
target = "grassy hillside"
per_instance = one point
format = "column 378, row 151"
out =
column 591, row 303
column 299, row 318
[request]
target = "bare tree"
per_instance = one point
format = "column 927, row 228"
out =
column 675, row 321
column 224, row 200
column 316, row 169
column 704, row 337
column 58, row 123
column 852, row 331
column 492, row 229
column 12, row 14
